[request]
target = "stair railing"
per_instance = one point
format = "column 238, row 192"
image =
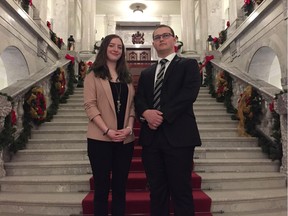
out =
column 274, row 100
column 12, row 100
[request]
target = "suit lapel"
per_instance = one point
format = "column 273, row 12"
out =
column 170, row 68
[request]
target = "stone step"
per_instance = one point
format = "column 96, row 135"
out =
column 197, row 104
column 81, row 154
column 218, row 132
column 47, row 167
column 230, row 201
column 46, row 183
column 197, row 110
column 57, row 144
column 62, row 125
column 229, row 141
column 59, row 134
column 205, row 123
column 80, row 133
column 201, row 95
column 82, row 116
column 237, row 201
column 83, row 166
column 80, row 183
column 51, row 155
column 221, row 123
column 45, row 143
column 229, row 152
column 69, row 118
column 266, row 212
column 243, row 180
column 235, row 165
column 41, row 203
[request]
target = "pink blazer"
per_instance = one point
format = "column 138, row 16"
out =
column 98, row 100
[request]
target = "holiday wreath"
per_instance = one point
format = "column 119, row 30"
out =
column 35, row 105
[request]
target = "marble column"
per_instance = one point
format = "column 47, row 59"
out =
column 60, row 18
column 86, row 40
column 203, row 24
column 236, row 16
column 188, row 26
column 111, row 25
column 40, row 15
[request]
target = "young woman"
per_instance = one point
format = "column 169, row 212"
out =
column 108, row 101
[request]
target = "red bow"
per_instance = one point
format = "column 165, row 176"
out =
column 89, row 63
column 247, row 2
column 13, row 117
column 69, row 57
column 228, row 24
column 48, row 24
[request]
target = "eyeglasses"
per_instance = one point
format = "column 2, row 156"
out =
column 164, row 36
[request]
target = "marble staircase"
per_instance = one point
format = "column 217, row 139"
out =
column 51, row 176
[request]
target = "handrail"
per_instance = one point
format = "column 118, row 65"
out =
column 25, row 18
column 252, row 18
column 24, row 84
column 264, row 87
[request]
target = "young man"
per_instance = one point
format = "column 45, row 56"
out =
column 169, row 133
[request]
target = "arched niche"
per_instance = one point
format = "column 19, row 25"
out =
column 265, row 66
column 13, row 66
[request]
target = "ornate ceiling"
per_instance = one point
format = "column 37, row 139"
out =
column 153, row 7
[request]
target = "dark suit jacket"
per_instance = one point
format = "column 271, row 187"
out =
column 179, row 91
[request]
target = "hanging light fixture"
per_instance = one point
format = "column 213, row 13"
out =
column 138, row 8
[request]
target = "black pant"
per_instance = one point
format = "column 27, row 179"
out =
column 106, row 157
column 168, row 171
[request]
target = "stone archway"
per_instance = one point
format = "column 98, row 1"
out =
column 3, row 75
column 13, row 66
column 265, row 66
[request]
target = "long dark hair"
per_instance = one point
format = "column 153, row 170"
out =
column 100, row 68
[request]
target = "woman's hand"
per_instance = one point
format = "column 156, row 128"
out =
column 127, row 131
column 118, row 135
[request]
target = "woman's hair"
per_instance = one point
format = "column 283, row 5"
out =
column 100, row 68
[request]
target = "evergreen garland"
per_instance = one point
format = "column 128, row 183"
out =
column 273, row 148
column 208, row 80
column 248, row 7
column 252, row 119
column 228, row 94
column 22, row 139
column 35, row 105
column 55, row 98
column 7, row 134
column 276, row 146
column 25, row 5
column 70, row 85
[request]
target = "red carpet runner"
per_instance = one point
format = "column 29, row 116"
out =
column 138, row 197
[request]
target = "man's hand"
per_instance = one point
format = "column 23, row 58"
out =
column 153, row 117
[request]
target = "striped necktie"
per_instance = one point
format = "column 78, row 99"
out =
column 158, row 85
